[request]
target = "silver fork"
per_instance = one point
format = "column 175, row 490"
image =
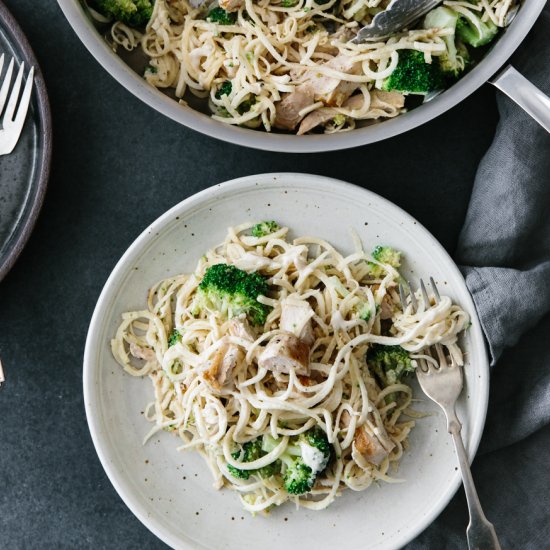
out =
column 398, row 15
column 443, row 384
column 17, row 107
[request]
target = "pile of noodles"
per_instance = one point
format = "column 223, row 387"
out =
column 340, row 394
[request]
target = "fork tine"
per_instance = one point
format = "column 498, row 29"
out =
column 25, row 99
column 414, row 303
column 6, row 85
column 1, row 63
column 403, row 297
column 441, row 356
column 425, row 296
column 436, row 292
column 14, row 96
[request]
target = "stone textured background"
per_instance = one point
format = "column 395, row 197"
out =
column 117, row 166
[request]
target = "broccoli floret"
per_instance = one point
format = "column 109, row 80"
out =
column 389, row 364
column 478, row 34
column 384, row 255
column 365, row 312
column 413, row 75
column 174, row 338
column 265, row 228
column 252, row 450
column 225, row 89
column 454, row 60
column 247, row 104
column 305, row 457
column 135, row 13
column 221, row 17
column 232, row 291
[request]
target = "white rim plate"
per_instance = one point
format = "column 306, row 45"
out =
column 171, row 492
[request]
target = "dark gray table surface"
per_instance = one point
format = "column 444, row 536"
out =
column 117, row 166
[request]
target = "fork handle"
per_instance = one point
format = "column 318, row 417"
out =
column 480, row 532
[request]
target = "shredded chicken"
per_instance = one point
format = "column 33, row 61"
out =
column 288, row 109
column 286, row 353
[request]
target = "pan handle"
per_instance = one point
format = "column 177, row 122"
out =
column 526, row 95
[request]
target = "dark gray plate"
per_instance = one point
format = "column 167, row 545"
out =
column 24, row 173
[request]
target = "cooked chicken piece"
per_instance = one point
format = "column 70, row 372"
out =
column 288, row 109
column 316, row 118
column 240, row 328
column 324, row 114
column 385, row 104
column 231, row 5
column 334, row 91
column 373, row 448
column 343, row 34
column 386, row 309
column 219, row 372
column 147, row 354
column 284, row 353
column 306, row 381
column 296, row 318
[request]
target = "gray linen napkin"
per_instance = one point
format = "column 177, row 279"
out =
column 504, row 249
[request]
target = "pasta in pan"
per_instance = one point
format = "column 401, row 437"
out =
column 292, row 65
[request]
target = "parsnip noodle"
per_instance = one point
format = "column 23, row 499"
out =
column 212, row 387
column 277, row 49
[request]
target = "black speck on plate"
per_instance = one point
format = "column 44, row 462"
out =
column 24, row 173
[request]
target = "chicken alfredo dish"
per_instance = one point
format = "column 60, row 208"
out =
column 291, row 64
column 284, row 363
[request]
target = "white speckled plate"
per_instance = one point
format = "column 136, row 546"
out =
column 171, row 492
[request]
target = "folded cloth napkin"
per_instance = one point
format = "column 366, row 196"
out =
column 504, row 249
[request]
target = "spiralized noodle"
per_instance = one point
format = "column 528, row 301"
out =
column 339, row 394
column 274, row 46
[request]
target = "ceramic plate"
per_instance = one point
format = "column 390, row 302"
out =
column 171, row 492
column 24, row 173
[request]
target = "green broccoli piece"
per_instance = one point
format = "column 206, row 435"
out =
column 221, row 17
column 135, row 13
column 265, row 228
column 476, row 35
column 413, row 75
column 454, row 60
column 233, row 292
column 384, row 255
column 252, row 450
column 225, row 89
column 174, row 338
column 389, row 364
column 365, row 312
column 247, row 104
column 306, row 456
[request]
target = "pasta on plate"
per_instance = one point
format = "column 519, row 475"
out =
column 284, row 363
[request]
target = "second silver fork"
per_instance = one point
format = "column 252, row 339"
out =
column 441, row 380
column 13, row 117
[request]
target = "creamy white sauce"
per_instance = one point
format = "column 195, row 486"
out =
column 313, row 457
